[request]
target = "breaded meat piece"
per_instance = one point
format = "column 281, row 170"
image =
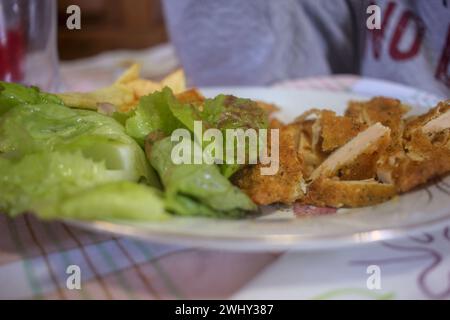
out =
column 434, row 121
column 424, row 162
column 337, row 131
column 284, row 187
column 324, row 134
column 268, row 107
column 426, row 143
column 325, row 192
column 191, row 96
column 388, row 112
column 364, row 167
column 371, row 141
column 307, row 148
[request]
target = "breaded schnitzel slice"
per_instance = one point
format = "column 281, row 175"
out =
column 388, row 112
column 191, row 96
column 284, row 187
column 324, row 134
column 371, row 141
column 426, row 155
column 346, row 177
column 326, row 192
column 337, row 130
column 309, row 150
column 364, row 167
column 434, row 121
column 330, row 130
column 270, row 108
column 420, row 166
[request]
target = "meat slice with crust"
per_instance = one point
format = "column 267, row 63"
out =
column 355, row 161
column 363, row 158
column 307, row 148
column 389, row 112
column 426, row 143
column 370, row 141
column 326, row 192
column 337, row 130
column 287, row 185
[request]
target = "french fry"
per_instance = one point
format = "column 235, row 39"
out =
column 125, row 93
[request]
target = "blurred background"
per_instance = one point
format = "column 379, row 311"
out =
column 225, row 43
column 109, row 25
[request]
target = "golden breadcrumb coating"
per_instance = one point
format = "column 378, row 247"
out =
column 427, row 149
column 283, row 187
column 360, row 159
column 371, row 141
column 311, row 153
column 325, row 192
column 337, row 130
column 268, row 107
column 191, row 96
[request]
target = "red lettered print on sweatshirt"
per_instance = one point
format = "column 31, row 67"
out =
column 412, row 46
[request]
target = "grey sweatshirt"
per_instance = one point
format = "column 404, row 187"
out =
column 260, row 42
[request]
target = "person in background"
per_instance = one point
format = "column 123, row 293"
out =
column 260, row 42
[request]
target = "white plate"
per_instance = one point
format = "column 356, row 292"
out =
column 408, row 214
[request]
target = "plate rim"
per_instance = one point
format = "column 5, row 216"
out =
column 274, row 242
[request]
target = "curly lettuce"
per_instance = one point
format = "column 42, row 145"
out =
column 162, row 112
column 196, row 188
column 153, row 114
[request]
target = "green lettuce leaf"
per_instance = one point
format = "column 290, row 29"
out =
column 13, row 94
column 28, row 129
column 57, row 185
column 54, row 159
column 115, row 201
column 161, row 111
column 38, row 181
column 153, row 114
column 201, row 185
column 223, row 112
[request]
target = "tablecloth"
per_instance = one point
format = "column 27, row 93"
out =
column 37, row 258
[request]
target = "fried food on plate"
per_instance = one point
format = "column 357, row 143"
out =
column 365, row 157
column 191, row 96
column 324, row 134
column 268, row 107
column 388, row 112
column 337, row 131
column 426, row 150
column 284, row 187
column 369, row 142
column 124, row 94
column 308, row 147
column 326, row 192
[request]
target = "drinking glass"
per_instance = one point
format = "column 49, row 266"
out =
column 28, row 44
